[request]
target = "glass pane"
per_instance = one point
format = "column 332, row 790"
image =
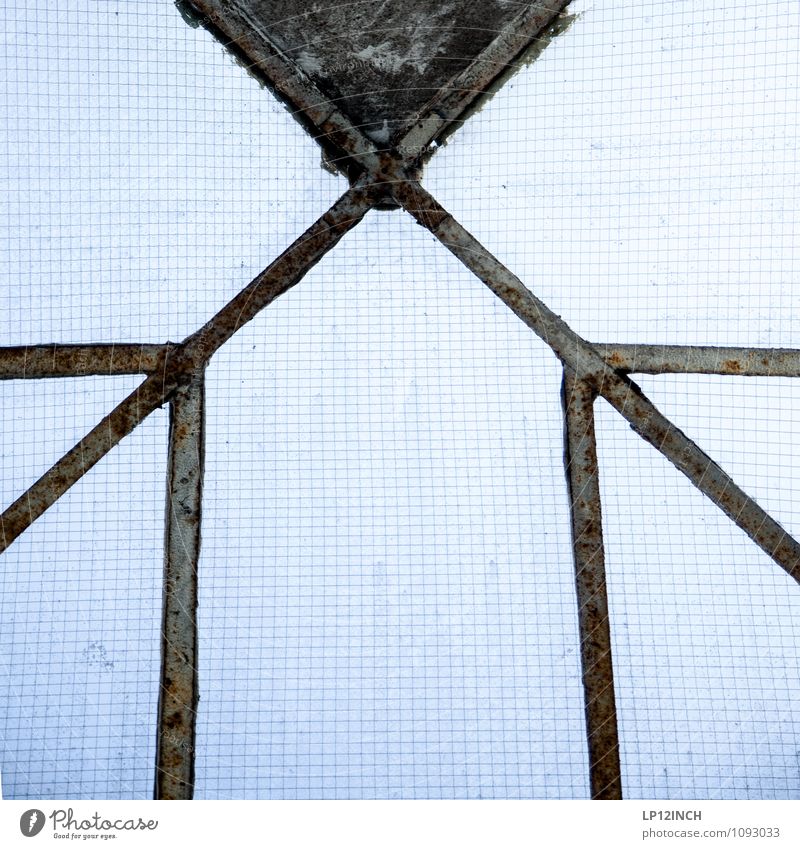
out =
column 147, row 179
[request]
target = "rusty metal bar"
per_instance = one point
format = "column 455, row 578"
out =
column 701, row 359
column 182, row 362
column 448, row 110
column 34, row 361
column 580, row 460
column 178, row 693
column 79, row 459
column 621, row 392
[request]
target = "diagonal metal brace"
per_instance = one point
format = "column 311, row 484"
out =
column 580, row 461
column 618, row 389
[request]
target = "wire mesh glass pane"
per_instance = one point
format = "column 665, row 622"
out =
column 641, row 175
column 387, row 599
column 147, row 177
column 80, row 603
column 749, row 425
column 703, row 623
column 387, row 606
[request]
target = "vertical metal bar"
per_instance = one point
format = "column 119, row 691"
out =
column 281, row 274
column 178, row 694
column 580, row 458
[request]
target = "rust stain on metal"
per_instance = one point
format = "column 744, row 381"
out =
column 178, row 697
column 175, row 372
column 580, row 459
column 40, row 361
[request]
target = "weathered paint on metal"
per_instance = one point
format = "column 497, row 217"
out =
column 646, row 420
column 580, row 459
column 701, row 359
column 35, row 361
column 619, row 390
column 182, row 361
column 178, row 696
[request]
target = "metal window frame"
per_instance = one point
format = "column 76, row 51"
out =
column 380, row 179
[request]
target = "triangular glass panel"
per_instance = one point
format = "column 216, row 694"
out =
column 387, row 66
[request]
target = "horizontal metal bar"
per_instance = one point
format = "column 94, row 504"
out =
column 580, row 459
column 701, row 359
column 178, row 695
column 621, row 392
column 182, row 362
column 33, row 361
